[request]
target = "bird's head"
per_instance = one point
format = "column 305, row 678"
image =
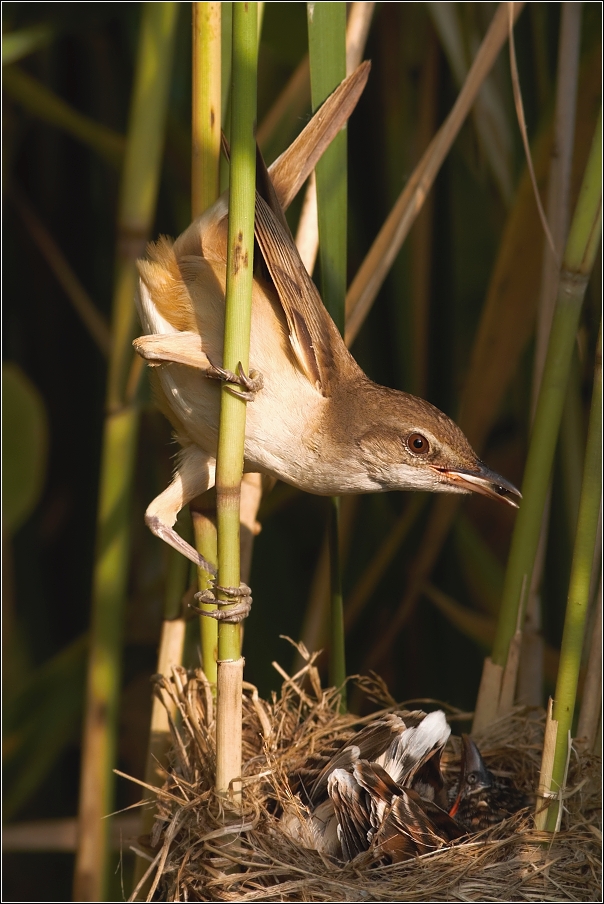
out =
column 411, row 445
column 474, row 777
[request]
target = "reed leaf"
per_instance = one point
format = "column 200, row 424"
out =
column 327, row 54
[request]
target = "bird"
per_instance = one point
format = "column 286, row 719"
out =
column 383, row 792
column 316, row 422
column 482, row 799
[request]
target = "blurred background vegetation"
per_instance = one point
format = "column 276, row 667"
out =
column 68, row 70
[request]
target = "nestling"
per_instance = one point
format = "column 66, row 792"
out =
column 316, row 421
column 383, row 791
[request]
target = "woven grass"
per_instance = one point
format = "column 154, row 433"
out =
column 202, row 851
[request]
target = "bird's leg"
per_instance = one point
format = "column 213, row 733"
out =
column 185, row 348
column 241, row 596
column 194, row 475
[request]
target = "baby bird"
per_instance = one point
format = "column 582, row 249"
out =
column 383, row 791
column 482, row 798
column 317, row 421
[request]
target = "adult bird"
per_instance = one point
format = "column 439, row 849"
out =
column 317, row 421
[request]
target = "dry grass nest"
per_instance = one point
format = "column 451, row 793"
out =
column 201, row 850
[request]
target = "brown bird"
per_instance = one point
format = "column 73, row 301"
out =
column 482, row 799
column 317, row 421
column 383, row 790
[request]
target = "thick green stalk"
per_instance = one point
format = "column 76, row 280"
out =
column 231, row 439
column 206, row 116
column 238, row 303
column 205, row 188
column 579, row 256
column 578, row 593
column 327, row 53
column 138, row 195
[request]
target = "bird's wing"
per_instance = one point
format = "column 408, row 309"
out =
column 208, row 234
column 294, row 166
column 412, row 747
column 313, row 334
column 366, row 744
column 350, row 805
column 414, row 826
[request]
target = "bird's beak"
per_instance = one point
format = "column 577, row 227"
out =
column 484, row 481
column 471, row 762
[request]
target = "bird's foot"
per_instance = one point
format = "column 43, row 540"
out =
column 239, row 601
column 250, row 383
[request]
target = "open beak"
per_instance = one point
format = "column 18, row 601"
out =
column 472, row 764
column 483, row 481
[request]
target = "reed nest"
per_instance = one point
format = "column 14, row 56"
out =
column 201, row 849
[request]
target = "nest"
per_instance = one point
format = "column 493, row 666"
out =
column 203, row 851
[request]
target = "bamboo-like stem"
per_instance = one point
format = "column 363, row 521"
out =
column 231, row 439
column 559, row 180
column 203, row 515
column 578, row 594
column 558, row 214
column 206, row 118
column 171, row 645
column 581, row 249
column 138, row 194
column 357, row 29
column 327, row 54
column 545, row 773
column 205, row 188
column 591, row 703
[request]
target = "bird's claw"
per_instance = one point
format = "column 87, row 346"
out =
column 250, row 383
column 237, row 611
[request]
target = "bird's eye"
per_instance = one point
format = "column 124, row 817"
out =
column 471, row 778
column 418, row 444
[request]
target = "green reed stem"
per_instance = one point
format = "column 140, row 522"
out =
column 231, row 439
column 586, row 541
column 327, row 54
column 581, row 248
column 205, row 188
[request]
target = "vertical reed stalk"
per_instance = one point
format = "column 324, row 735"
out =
column 591, row 699
column 327, row 52
column 138, row 194
column 171, row 645
column 205, row 188
column 578, row 261
column 531, row 662
column 206, row 114
column 231, row 440
column 578, row 594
